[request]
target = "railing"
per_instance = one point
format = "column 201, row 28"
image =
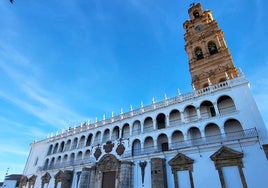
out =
column 66, row 164
column 203, row 141
column 154, row 106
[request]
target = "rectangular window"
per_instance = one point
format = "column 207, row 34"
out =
column 231, row 177
column 184, row 179
column 164, row 146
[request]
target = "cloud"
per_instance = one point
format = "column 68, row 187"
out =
column 27, row 91
column 13, row 150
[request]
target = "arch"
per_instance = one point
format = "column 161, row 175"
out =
column 79, row 156
column 49, row 149
column 46, row 164
column 194, row 135
column 115, row 133
column 161, row 121
column 177, row 139
column 65, row 159
column 97, row 139
column 212, row 132
column 72, row 156
column 148, row 125
column 52, row 163
column 87, row 154
column 148, row 145
column 82, row 142
column 226, row 105
column 212, row 48
column 108, row 163
column 61, row 146
column 106, row 136
column 136, row 130
column 125, row 131
column 190, row 114
column 136, row 147
column 162, row 142
column 58, row 161
column 68, row 145
column 55, row 148
column 75, row 141
column 198, row 53
column 174, row 117
column 207, row 110
column 89, row 139
column 233, row 128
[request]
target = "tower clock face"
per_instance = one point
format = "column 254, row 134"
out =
column 199, row 27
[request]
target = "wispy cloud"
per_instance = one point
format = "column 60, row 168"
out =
column 31, row 95
column 13, row 150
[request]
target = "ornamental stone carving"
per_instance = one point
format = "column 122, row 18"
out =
column 108, row 147
column 120, row 149
column 97, row 153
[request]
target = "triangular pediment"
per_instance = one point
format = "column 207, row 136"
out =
column 46, row 176
column 225, row 153
column 180, row 159
column 59, row 175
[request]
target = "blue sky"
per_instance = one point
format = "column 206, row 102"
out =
column 64, row 62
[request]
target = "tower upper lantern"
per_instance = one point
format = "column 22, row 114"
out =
column 210, row 61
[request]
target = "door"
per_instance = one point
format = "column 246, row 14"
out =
column 108, row 179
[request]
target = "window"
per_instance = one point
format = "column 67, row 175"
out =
column 199, row 53
column 212, row 48
column 196, row 14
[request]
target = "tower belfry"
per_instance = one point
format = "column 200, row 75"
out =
column 210, row 61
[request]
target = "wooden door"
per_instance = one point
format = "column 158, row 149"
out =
column 108, row 179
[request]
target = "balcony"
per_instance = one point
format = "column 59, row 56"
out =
column 239, row 136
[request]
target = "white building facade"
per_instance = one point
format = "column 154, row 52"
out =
column 211, row 137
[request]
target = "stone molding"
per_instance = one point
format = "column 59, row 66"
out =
column 226, row 157
column 181, row 163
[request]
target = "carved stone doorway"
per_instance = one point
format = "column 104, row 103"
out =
column 108, row 179
column 108, row 169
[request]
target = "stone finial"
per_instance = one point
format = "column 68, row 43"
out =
column 193, row 86
column 131, row 109
column 165, row 96
column 96, row 120
column 103, row 117
column 121, row 111
column 209, row 82
column 226, row 76
column 141, row 104
column 153, row 100
column 112, row 114
column 179, row 92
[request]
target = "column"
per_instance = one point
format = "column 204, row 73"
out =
column 142, row 126
column 126, row 174
column 216, row 108
column 198, row 113
column 182, row 117
column 85, row 178
column 167, row 120
column 154, row 123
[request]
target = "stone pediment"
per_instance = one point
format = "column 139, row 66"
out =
column 225, row 153
column 59, row 175
column 180, row 159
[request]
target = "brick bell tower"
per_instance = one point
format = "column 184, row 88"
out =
column 210, row 61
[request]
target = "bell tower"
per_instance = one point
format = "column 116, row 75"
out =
column 210, row 61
